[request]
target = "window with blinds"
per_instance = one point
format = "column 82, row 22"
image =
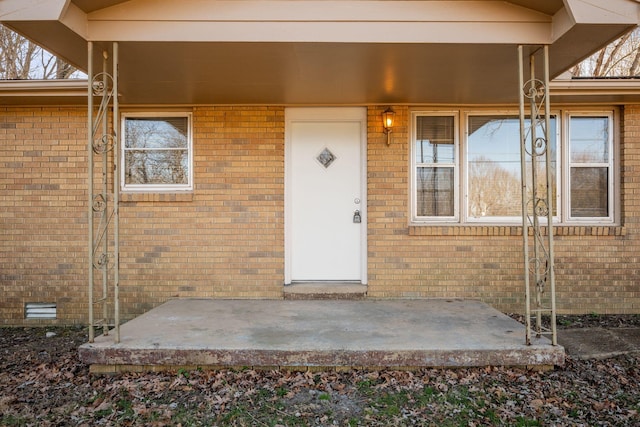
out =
column 435, row 167
column 471, row 172
column 590, row 166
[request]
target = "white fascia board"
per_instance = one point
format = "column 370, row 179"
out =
column 319, row 10
column 50, row 11
column 609, row 92
column 28, row 88
column 595, row 87
column 325, row 32
column 563, row 22
column 321, row 21
column 76, row 20
column 603, row 12
column 32, row 10
column 624, row 13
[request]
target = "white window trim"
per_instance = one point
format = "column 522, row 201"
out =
column 456, row 167
column 157, row 188
column 611, row 165
column 562, row 200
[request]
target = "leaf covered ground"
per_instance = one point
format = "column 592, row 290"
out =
column 43, row 383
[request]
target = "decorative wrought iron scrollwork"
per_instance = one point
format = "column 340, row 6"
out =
column 541, row 207
column 99, row 203
column 538, row 206
column 101, row 84
column 539, row 147
column 103, row 261
column 534, row 89
column 539, row 265
column 104, row 144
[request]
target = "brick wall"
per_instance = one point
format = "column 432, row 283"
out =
column 596, row 267
column 449, row 262
column 43, row 195
column 226, row 239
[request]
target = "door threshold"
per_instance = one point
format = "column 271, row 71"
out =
column 325, row 291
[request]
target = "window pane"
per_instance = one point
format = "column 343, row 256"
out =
column 435, row 139
column 589, row 192
column 494, row 166
column 156, row 132
column 494, row 170
column 589, row 139
column 435, row 195
column 493, row 190
column 156, row 167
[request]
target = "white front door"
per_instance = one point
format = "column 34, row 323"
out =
column 325, row 194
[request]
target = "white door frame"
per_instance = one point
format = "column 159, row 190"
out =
column 324, row 114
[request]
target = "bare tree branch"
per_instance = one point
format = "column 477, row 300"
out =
column 614, row 53
column 620, row 58
column 576, row 70
column 63, row 69
column 633, row 70
column 20, row 59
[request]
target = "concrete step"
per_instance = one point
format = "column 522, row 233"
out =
column 269, row 334
column 325, row 291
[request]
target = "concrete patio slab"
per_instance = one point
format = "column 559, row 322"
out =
column 319, row 333
column 599, row 343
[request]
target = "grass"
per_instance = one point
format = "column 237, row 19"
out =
column 564, row 321
column 237, row 413
column 391, row 404
column 124, row 408
column 264, row 393
column 365, row 387
column 526, row 422
column 13, row 421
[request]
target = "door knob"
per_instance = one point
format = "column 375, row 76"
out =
column 357, row 219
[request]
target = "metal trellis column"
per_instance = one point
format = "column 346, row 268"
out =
column 536, row 157
column 103, row 186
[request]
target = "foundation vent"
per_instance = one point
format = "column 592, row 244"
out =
column 40, row 310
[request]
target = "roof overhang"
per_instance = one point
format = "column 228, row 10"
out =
column 43, row 92
column 596, row 91
column 563, row 92
column 320, row 52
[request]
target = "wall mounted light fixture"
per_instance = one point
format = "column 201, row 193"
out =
column 387, row 122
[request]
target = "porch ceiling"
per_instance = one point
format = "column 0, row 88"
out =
column 316, row 73
column 320, row 52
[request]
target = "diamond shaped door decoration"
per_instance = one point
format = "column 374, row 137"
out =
column 326, row 157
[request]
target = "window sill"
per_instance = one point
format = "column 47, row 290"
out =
column 507, row 230
column 186, row 196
